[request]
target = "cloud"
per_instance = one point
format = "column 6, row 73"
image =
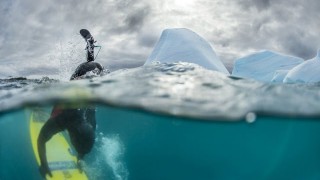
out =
column 259, row 4
column 289, row 26
column 285, row 26
column 135, row 20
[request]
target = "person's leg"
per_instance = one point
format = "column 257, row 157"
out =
column 90, row 56
column 90, row 49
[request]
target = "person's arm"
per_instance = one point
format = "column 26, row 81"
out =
column 73, row 76
column 49, row 129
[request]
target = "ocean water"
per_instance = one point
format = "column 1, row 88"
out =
column 174, row 121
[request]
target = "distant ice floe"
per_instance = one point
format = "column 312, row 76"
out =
column 306, row 72
column 185, row 45
column 265, row 66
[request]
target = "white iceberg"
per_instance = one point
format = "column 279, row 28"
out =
column 307, row 72
column 185, row 45
column 263, row 65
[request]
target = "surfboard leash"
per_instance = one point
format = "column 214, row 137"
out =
column 97, row 52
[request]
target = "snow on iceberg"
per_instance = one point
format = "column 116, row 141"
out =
column 306, row 72
column 185, row 45
column 263, row 65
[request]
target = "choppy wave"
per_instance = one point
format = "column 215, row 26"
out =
column 180, row 89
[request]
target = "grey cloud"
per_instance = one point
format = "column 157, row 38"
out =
column 259, row 4
column 297, row 25
column 294, row 43
column 132, row 17
column 117, row 59
column 285, row 26
column 148, row 36
column 5, row 6
column 147, row 40
column 135, row 20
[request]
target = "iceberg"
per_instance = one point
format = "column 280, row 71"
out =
column 185, row 45
column 279, row 76
column 263, row 65
column 306, row 72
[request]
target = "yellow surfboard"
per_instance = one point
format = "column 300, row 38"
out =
column 61, row 159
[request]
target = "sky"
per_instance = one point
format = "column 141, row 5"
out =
column 41, row 37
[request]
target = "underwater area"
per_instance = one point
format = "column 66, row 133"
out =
column 173, row 121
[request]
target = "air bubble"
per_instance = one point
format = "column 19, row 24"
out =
column 251, row 117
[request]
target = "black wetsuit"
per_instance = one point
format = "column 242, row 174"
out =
column 83, row 68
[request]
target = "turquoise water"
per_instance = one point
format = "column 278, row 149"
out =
column 174, row 121
column 134, row 144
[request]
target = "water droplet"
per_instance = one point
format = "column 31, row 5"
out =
column 251, row 117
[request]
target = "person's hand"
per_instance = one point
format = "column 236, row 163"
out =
column 45, row 170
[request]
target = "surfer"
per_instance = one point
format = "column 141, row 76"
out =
column 80, row 122
column 90, row 65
